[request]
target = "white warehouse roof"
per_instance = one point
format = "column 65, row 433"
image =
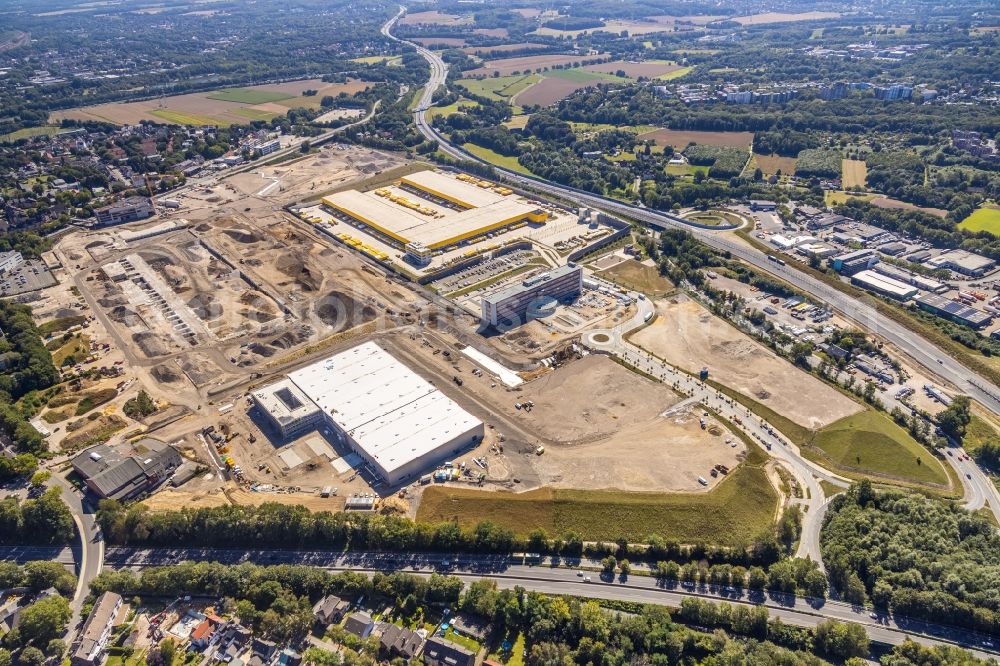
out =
column 391, row 413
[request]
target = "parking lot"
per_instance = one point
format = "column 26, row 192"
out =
column 32, row 275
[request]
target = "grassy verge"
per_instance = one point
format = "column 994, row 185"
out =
column 638, row 277
column 733, row 513
column 830, row 489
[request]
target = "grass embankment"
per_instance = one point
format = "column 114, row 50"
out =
column 61, row 324
column 870, row 442
column 740, row 508
column 979, row 431
column 77, row 347
column 887, row 452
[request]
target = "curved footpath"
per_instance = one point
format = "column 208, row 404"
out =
column 865, row 315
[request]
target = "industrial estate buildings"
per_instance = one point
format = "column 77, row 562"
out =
column 109, row 475
column 516, row 304
column 399, row 423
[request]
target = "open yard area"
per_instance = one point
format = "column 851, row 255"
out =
column 680, row 139
column 983, row 219
column 854, row 174
column 870, row 442
column 221, row 107
column 689, row 336
column 637, row 276
column 740, row 508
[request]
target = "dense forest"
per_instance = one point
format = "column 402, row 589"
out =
column 28, row 367
column 46, row 519
column 914, row 556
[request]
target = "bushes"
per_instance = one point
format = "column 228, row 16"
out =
column 139, row 406
column 724, row 161
column 819, row 163
column 43, row 520
column 95, row 399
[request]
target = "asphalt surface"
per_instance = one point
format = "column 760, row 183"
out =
column 859, row 310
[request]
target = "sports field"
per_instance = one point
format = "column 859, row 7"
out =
column 870, row 441
column 983, row 219
column 854, row 174
column 737, row 510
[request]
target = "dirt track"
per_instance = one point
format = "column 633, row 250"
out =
column 688, row 336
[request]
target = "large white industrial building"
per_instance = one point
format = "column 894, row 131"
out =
column 398, row 422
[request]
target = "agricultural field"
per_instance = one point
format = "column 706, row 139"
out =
column 503, row 48
column 637, row 276
column 648, row 26
column 377, row 59
column 552, row 89
column 221, row 107
column 737, row 510
column 29, row 132
column 454, row 107
column 675, row 74
column 680, row 139
column 854, row 174
column 782, row 17
column 649, row 68
column 527, row 64
column 435, row 18
column 886, row 202
column 771, row 164
column 690, row 337
column 502, row 88
column 984, row 219
column 870, row 442
column 833, row 198
column 442, row 41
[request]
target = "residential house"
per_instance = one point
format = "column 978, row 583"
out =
column 473, row 626
column 360, row 624
column 396, row 641
column 89, row 647
column 330, row 609
column 441, row 652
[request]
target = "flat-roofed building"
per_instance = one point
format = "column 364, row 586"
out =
column 287, row 408
column 961, row 261
column 89, row 648
column 885, row 285
column 110, row 475
column 954, row 310
column 852, row 262
column 10, row 260
column 514, row 305
column 432, row 211
column 128, row 209
column 397, row 422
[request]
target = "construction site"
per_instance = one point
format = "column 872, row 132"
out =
column 234, row 310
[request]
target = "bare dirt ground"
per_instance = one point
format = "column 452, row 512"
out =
column 551, row 90
column 687, row 335
column 782, row 17
column 434, row 17
column 634, row 69
column 680, row 139
column 508, row 66
column 173, row 500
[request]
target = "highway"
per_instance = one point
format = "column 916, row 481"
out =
column 860, row 311
column 560, row 576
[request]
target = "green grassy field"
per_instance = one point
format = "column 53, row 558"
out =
column 501, row 88
column 978, row 432
column 871, row 441
column 181, row 118
column 454, row 107
column 676, row 74
column 255, row 114
column 639, row 277
column 581, row 75
column 374, row 60
column 29, row 132
column 685, row 169
column 248, row 95
column 494, row 157
column 740, row 508
column 983, row 219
